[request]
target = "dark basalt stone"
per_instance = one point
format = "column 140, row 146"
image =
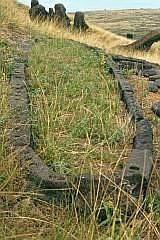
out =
column 154, row 77
column 141, row 68
column 144, row 135
column 140, row 62
column 134, row 66
column 123, row 83
column 129, row 59
column 156, row 108
column 34, row 3
column 51, row 14
column 148, row 65
column 38, row 13
column 146, row 42
column 130, row 35
column 133, row 106
column 157, row 82
column 79, row 22
column 61, row 16
column 152, row 87
column 150, row 72
column 138, row 171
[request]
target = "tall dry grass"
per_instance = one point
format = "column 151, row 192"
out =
column 28, row 219
column 96, row 36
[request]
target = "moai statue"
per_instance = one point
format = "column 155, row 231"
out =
column 37, row 11
column 34, row 3
column 60, row 15
column 79, row 22
column 51, row 14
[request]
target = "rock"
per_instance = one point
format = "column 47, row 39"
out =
column 152, row 87
column 144, row 136
column 130, row 59
column 61, row 16
column 150, row 72
column 38, row 12
column 146, row 42
column 51, row 14
column 130, row 35
column 79, row 22
column 157, row 82
column 123, row 83
column 133, row 106
column 138, row 171
column 154, row 77
column 156, row 108
column 34, row 3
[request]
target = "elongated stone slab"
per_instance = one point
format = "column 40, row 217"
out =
column 123, row 83
column 138, row 171
column 133, row 106
column 144, row 136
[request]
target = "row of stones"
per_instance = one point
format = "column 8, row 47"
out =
column 139, row 165
column 146, row 69
column 38, row 12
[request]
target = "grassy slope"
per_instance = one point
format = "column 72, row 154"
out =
column 60, row 100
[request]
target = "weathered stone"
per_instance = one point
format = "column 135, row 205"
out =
column 133, row 106
column 152, row 87
column 130, row 35
column 130, row 65
column 38, row 13
column 156, row 108
column 130, row 59
column 144, row 63
column 61, row 16
column 151, row 72
column 123, row 83
column 154, row 77
column 157, row 82
column 34, row 3
column 79, row 22
column 51, row 14
column 137, row 172
column 146, row 42
column 148, row 65
column 144, row 135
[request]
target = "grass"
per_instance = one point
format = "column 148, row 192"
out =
column 75, row 107
column 79, row 125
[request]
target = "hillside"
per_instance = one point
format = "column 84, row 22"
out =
column 135, row 21
column 61, row 111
